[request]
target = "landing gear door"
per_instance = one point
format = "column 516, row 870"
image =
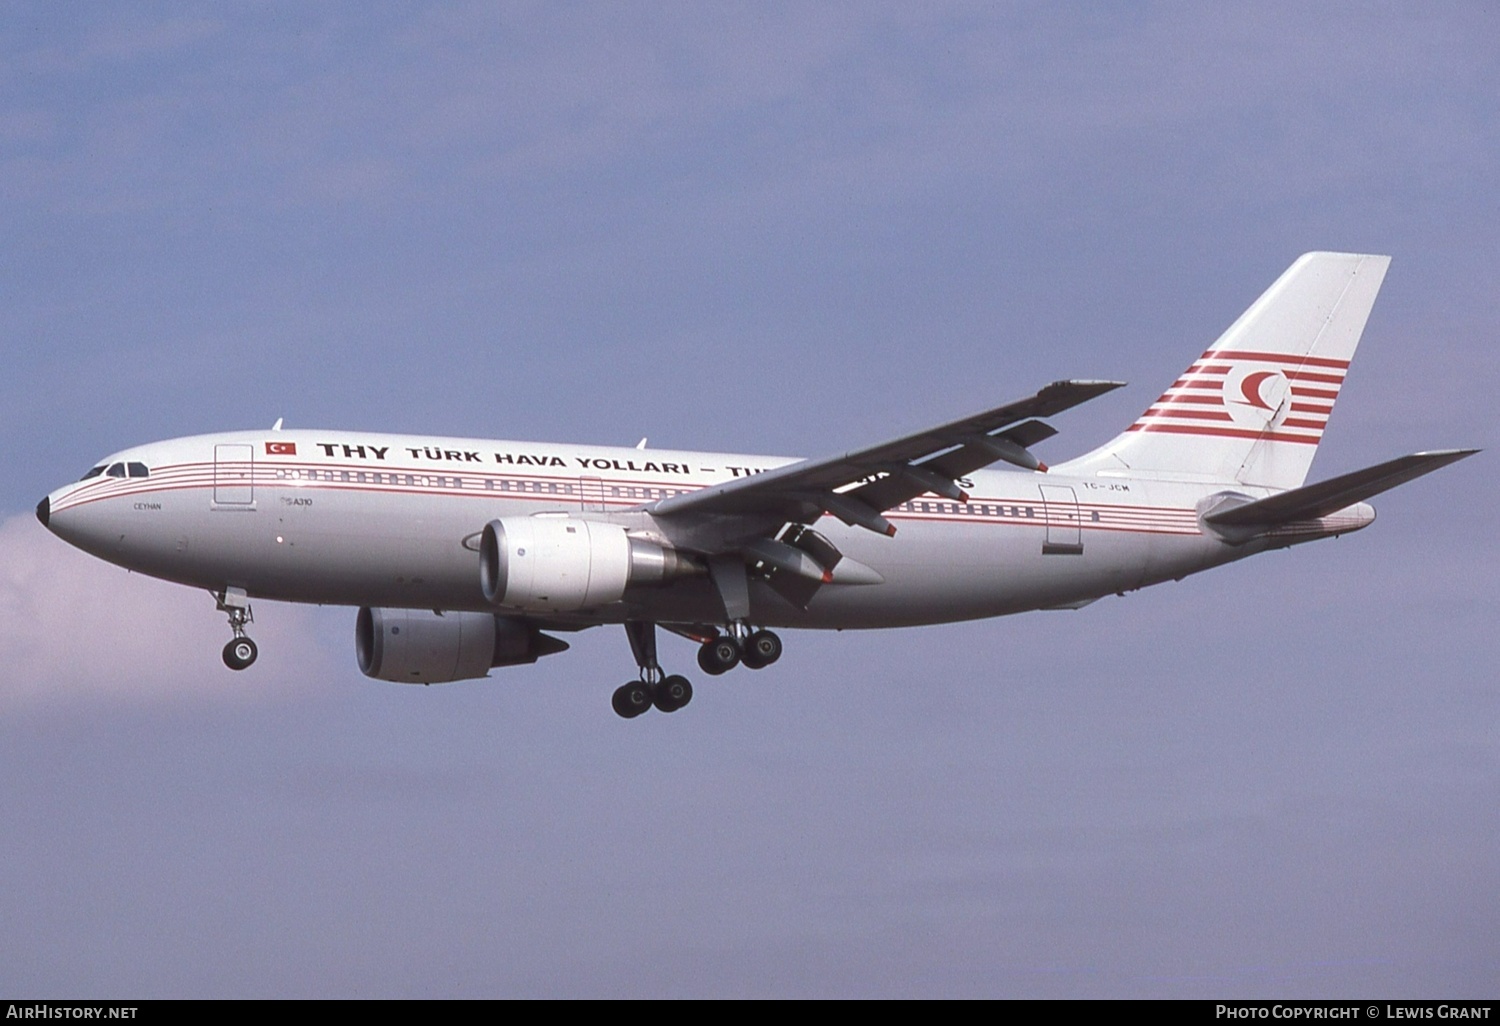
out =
column 234, row 481
column 1064, row 532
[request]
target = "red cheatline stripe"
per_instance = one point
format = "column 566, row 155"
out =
column 1313, row 393
column 1312, row 408
column 1299, row 422
column 1197, row 384
column 1116, row 506
column 1116, row 509
column 1188, row 429
column 1036, row 523
column 1291, row 359
column 1121, row 519
column 623, row 502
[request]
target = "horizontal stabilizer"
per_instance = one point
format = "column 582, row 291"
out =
column 1326, row 497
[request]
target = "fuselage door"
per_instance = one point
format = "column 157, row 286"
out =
column 591, row 489
column 234, row 483
column 1064, row 533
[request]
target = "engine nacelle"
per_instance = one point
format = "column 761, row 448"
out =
column 559, row 564
column 419, row 646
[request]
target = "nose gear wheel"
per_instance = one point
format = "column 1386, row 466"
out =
column 240, row 653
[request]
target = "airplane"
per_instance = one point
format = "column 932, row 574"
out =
column 463, row 554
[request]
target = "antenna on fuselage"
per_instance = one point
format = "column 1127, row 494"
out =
column 641, row 444
column 277, row 426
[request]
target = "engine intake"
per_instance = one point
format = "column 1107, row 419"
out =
column 420, row 646
column 559, row 564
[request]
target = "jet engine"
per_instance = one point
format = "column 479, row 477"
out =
column 420, row 646
column 559, row 564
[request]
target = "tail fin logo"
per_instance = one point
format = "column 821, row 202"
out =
column 1257, row 398
column 1236, row 395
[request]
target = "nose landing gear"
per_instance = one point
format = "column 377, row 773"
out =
column 241, row 651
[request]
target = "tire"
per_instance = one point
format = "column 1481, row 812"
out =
column 673, row 693
column 631, row 699
column 719, row 656
column 761, row 649
column 240, row 653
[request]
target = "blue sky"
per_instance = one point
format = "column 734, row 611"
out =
column 766, row 228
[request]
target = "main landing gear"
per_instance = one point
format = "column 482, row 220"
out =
column 667, row 693
column 241, row 651
column 717, row 655
column 756, row 649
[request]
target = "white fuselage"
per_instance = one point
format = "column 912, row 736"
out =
column 351, row 518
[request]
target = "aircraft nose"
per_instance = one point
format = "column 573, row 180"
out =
column 44, row 510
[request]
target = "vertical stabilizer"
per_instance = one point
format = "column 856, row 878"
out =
column 1253, row 407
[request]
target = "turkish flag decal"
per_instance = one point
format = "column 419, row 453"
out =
column 281, row 448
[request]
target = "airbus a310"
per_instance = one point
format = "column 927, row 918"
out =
column 462, row 555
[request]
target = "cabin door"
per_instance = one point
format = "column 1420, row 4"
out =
column 234, row 481
column 1064, row 532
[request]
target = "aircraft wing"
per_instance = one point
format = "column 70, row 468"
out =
column 858, row 486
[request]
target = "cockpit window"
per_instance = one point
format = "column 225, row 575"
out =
column 115, row 470
column 95, row 472
column 137, row 470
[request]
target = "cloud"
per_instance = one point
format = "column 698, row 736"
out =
column 73, row 628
